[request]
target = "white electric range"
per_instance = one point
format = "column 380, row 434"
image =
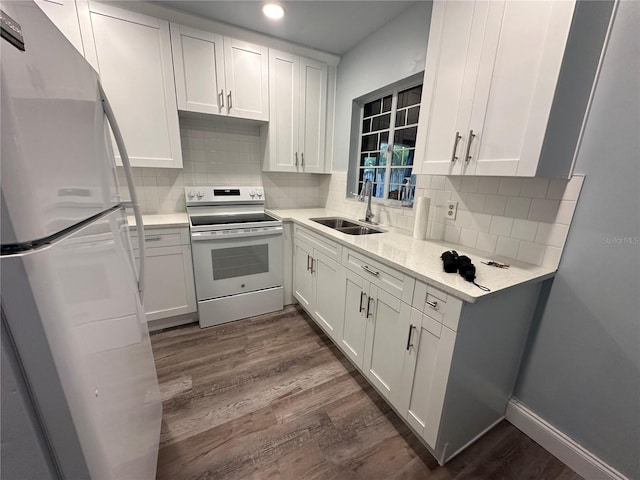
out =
column 237, row 253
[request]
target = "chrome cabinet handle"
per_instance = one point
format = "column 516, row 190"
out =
column 409, row 344
column 368, row 270
column 369, row 306
column 471, row 137
column 229, row 100
column 362, row 295
column 432, row 304
column 455, row 147
column 312, row 260
column 308, row 257
column 221, row 97
column 152, row 239
column 302, row 159
column 296, row 159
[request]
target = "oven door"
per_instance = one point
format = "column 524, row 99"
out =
column 227, row 263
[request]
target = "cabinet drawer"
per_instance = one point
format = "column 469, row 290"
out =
column 329, row 248
column 161, row 238
column 393, row 281
column 437, row 304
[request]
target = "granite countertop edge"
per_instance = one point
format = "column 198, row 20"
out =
column 430, row 270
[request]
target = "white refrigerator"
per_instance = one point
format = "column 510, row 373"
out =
column 80, row 395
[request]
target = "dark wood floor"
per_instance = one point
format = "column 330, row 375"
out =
column 271, row 397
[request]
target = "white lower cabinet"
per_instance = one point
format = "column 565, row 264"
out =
column 447, row 367
column 170, row 290
column 318, row 278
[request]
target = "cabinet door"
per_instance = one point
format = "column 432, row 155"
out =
column 133, row 54
column 450, row 69
column 521, row 58
column 387, row 325
column 313, row 115
column 64, row 15
column 170, row 287
column 355, row 322
column 246, row 68
column 418, row 371
column 302, row 277
column 329, row 299
column 284, row 104
column 198, row 66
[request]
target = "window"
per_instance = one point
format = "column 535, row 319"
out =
column 388, row 141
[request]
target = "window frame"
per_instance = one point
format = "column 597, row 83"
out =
column 356, row 136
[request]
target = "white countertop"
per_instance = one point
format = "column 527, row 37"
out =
column 166, row 220
column 421, row 258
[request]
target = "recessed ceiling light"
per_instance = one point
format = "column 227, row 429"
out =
column 273, row 11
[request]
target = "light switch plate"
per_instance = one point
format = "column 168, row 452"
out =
column 452, row 210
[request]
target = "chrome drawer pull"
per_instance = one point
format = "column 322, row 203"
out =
column 455, row 147
column 308, row 257
column 362, row 295
column 152, row 239
column 312, row 260
column 368, row 270
column 432, row 304
column 471, row 137
column 369, row 306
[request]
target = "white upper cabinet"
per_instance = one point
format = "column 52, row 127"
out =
column 132, row 53
column 199, row 69
column 220, row 75
column 495, row 81
column 64, row 14
column 296, row 134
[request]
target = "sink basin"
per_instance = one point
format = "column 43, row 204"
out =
column 359, row 230
column 334, row 222
column 346, row 226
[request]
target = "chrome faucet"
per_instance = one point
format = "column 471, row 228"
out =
column 367, row 189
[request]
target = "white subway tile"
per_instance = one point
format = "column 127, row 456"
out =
column 544, row 210
column 495, row 204
column 552, row 234
column 453, row 183
column 437, row 182
column 507, row 247
column 452, row 234
column 488, row 185
column 486, row 242
column 518, row 207
column 468, row 237
column 475, row 202
column 531, row 253
column 534, row 187
column 464, row 219
column 437, row 231
column 470, row 184
column 552, row 257
column 557, row 187
column 501, row 226
column 510, row 186
column 482, row 221
column 442, row 197
column 524, row 229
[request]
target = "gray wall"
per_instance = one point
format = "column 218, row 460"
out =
column 392, row 53
column 582, row 370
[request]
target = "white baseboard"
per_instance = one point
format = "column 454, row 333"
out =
column 572, row 454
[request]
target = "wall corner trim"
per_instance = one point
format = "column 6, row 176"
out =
column 560, row 445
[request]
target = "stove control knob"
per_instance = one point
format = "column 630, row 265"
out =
column 191, row 193
column 199, row 194
column 259, row 192
column 252, row 192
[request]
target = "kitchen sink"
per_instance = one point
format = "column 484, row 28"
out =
column 346, row 226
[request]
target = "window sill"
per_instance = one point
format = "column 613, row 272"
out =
column 380, row 201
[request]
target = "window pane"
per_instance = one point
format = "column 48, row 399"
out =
column 366, row 125
column 402, row 156
column 394, row 192
column 398, row 175
column 410, row 97
column 378, row 189
column 405, row 136
column 369, row 159
column 372, row 108
column 401, row 118
column 369, row 143
column 381, row 122
column 372, row 173
column 384, row 140
column 386, row 103
column 412, row 115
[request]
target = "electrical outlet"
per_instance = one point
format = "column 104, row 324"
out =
column 452, row 210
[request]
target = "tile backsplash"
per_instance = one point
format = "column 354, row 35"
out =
column 508, row 218
column 223, row 152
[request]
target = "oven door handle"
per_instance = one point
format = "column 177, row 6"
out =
column 212, row 236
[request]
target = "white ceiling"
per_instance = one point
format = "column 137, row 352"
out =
column 333, row 26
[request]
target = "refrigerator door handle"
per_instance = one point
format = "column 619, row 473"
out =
column 117, row 135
